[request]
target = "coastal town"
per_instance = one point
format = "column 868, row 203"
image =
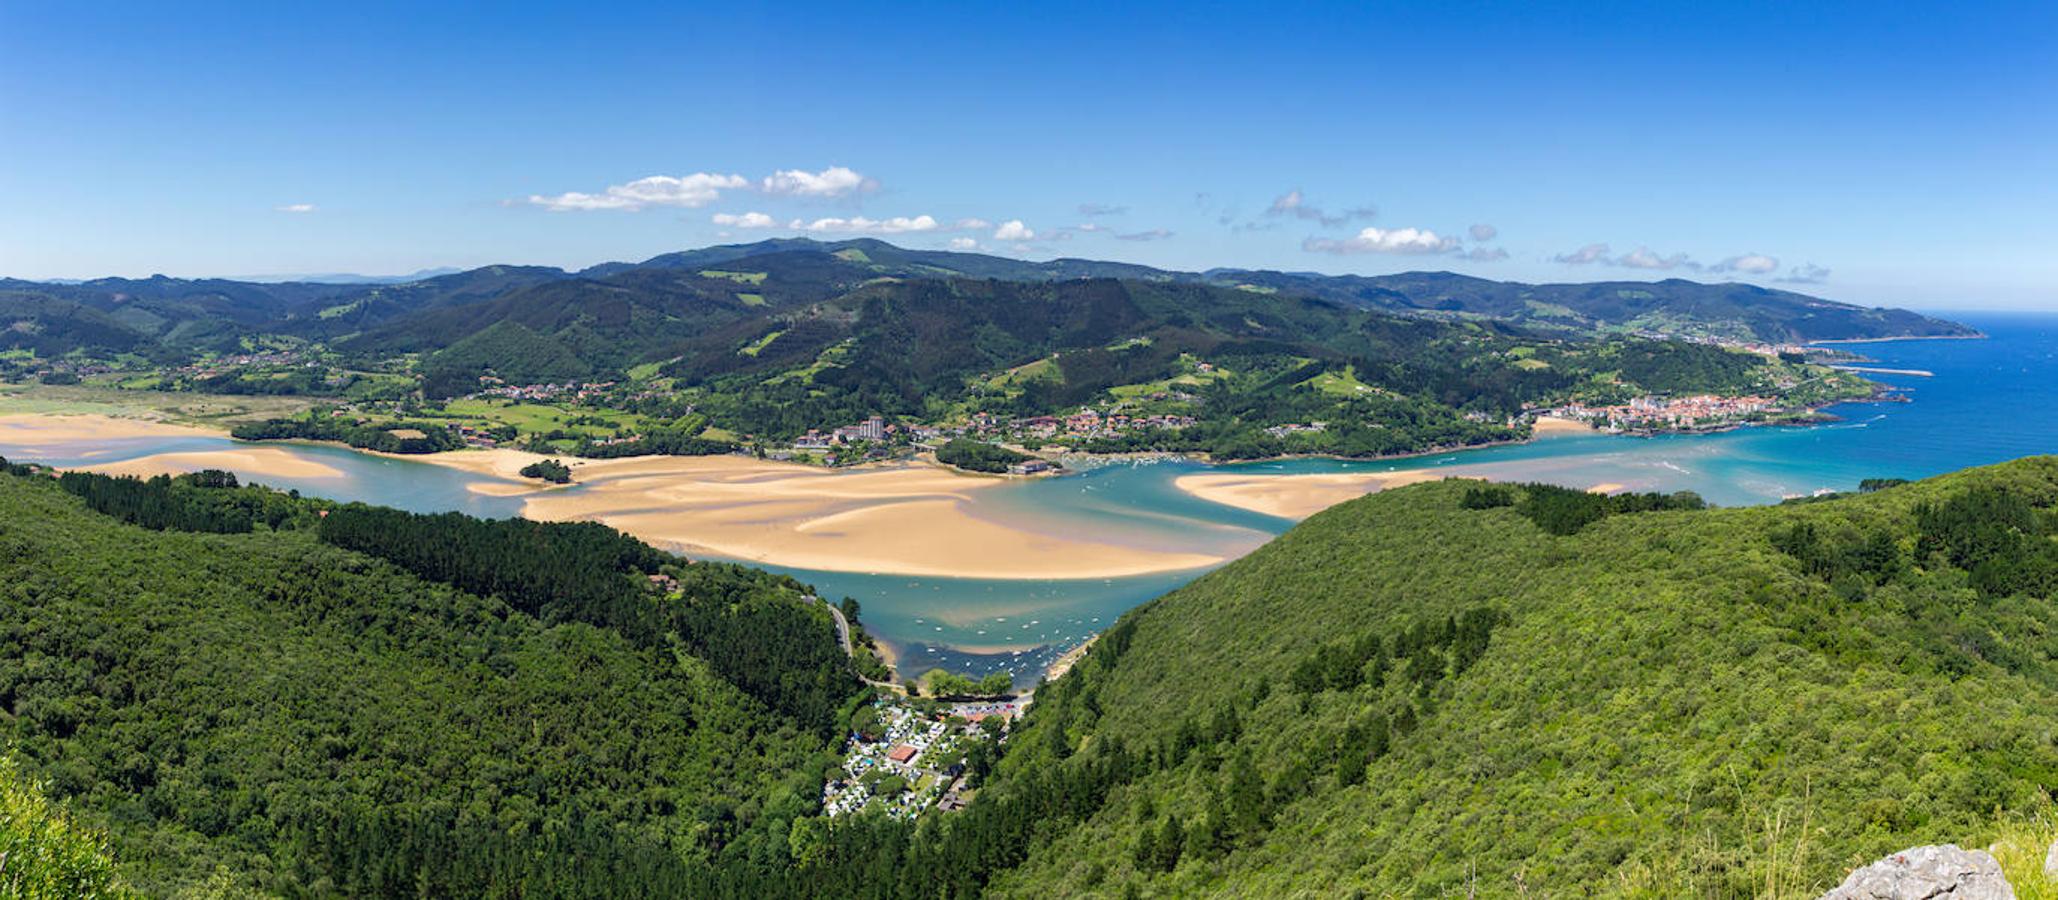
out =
column 1650, row 414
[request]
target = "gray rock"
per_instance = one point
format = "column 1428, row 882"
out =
column 2051, row 862
column 1928, row 873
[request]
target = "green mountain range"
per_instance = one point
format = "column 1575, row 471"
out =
column 620, row 314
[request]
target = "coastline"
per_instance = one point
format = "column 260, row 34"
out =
column 900, row 518
column 913, row 517
column 1977, row 335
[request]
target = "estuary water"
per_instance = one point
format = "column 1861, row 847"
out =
column 1986, row 401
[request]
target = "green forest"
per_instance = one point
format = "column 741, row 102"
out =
column 1438, row 689
column 238, row 698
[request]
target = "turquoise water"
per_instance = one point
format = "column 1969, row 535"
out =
column 1989, row 401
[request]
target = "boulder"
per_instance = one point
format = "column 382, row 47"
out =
column 1928, row 873
column 2051, row 862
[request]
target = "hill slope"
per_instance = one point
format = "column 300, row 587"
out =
column 1712, row 703
column 320, row 721
column 1674, row 306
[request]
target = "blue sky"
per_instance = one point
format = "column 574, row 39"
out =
column 1860, row 153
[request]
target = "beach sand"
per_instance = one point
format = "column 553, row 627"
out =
column 906, row 519
column 901, row 519
column 1294, row 496
column 1558, row 425
column 253, row 464
column 32, row 430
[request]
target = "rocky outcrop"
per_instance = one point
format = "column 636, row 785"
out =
column 1928, row 873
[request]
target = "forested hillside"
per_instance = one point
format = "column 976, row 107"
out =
column 1408, row 696
column 1238, row 362
column 257, row 705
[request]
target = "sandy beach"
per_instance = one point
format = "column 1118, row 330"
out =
column 1558, row 425
column 251, row 465
column 907, row 519
column 1294, row 496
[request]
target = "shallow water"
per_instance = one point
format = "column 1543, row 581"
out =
column 1988, row 401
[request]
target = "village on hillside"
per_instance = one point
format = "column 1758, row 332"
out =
column 904, row 756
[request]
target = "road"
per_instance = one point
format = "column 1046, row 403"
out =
column 843, row 636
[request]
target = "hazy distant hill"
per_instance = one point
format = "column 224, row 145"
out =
column 633, row 312
column 1672, row 306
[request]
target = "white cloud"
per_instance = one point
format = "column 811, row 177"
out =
column 830, row 183
column 1483, row 232
column 295, row 208
column 1014, row 230
column 971, row 224
column 697, row 189
column 1805, row 273
column 862, row 225
column 1643, row 258
column 1486, row 254
column 1381, row 240
column 1101, row 209
column 1749, row 264
column 1590, row 253
column 1292, row 203
column 746, row 220
column 963, row 243
column 1155, row 234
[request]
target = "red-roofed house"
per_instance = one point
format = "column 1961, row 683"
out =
column 901, row 754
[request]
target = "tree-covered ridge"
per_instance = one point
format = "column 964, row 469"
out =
column 316, row 721
column 385, row 437
column 555, row 323
column 1675, row 703
column 208, row 500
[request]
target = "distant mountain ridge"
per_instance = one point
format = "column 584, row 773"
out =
column 676, row 296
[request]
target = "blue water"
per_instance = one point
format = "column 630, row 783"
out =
column 1988, row 401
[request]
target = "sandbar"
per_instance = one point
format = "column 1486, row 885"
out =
column 255, row 463
column 902, row 519
column 1294, row 496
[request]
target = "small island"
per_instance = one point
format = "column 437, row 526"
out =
column 549, row 470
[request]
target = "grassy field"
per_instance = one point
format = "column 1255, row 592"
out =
column 752, row 278
column 531, row 418
column 1341, row 384
column 1191, row 377
column 1028, row 371
column 211, row 410
column 758, row 346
